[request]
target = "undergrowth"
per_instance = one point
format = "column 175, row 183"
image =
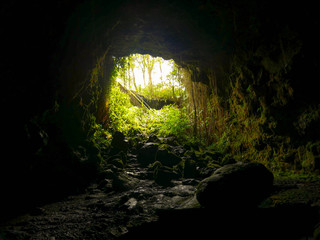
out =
column 139, row 123
column 256, row 128
column 132, row 120
column 253, row 124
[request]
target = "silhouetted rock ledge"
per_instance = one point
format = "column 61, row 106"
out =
column 236, row 185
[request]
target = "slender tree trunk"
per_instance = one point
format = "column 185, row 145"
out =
column 195, row 128
column 150, row 80
column 161, row 77
column 134, row 79
column 173, row 91
column 150, row 64
column 144, row 77
column 143, row 66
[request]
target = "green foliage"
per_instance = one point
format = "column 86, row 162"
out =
column 130, row 120
column 163, row 91
column 250, row 128
column 118, row 109
column 100, row 136
column 155, row 168
column 169, row 87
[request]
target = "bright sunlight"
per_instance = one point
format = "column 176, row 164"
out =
column 146, row 97
column 149, row 75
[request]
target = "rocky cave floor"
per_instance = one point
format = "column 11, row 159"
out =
column 102, row 213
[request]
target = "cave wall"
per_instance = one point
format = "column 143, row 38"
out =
column 173, row 30
column 56, row 58
column 252, row 56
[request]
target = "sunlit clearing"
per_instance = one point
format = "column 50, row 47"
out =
column 146, row 97
column 137, row 72
column 161, row 69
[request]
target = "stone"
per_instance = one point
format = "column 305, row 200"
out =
column 119, row 142
column 190, row 169
column 153, row 138
column 147, row 153
column 131, row 203
column 178, row 150
column 316, row 233
column 166, row 157
column 132, row 206
column 164, row 175
column 190, row 181
column 123, row 182
column 235, row 186
column 117, row 162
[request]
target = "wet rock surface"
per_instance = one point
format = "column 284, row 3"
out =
column 236, row 185
column 106, row 210
column 129, row 202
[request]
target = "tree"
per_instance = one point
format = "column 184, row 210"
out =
column 131, row 62
column 159, row 60
column 141, row 59
column 150, row 63
column 174, row 77
column 122, row 66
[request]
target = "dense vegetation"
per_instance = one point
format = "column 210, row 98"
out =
column 138, row 123
column 153, row 77
column 249, row 127
column 132, row 120
column 244, row 129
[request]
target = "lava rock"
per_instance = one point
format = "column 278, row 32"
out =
column 190, row 168
column 132, row 206
column 147, row 153
column 119, row 142
column 117, row 162
column 153, row 139
column 123, row 182
column 166, row 157
column 316, row 233
column 164, row 175
column 235, row 185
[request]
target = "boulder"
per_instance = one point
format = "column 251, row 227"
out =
column 119, row 142
column 235, row 186
column 124, row 182
column 164, row 175
column 153, row 138
column 147, row 153
column 166, row 157
column 190, row 168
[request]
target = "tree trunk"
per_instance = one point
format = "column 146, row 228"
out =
column 134, row 79
column 150, row 81
column 150, row 63
column 144, row 77
column 160, row 70
column 195, row 127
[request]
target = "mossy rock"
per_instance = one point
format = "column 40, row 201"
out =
column 153, row 139
column 117, row 162
column 190, row 168
column 123, row 182
column 119, row 142
column 166, row 157
column 165, row 175
column 147, row 153
column 228, row 159
column 235, row 185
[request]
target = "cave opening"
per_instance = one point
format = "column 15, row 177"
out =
column 148, row 96
column 245, row 95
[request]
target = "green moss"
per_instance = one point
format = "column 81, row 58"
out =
column 155, row 168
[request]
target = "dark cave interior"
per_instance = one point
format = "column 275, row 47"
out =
column 255, row 62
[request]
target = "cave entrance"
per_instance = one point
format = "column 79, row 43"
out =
column 148, row 96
